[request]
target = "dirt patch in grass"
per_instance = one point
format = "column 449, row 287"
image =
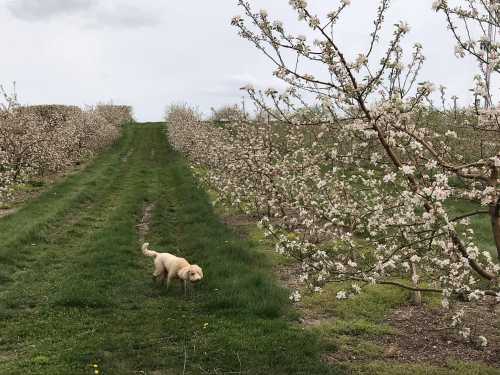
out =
column 144, row 225
column 288, row 278
column 7, row 211
column 8, row 356
column 239, row 223
column 21, row 196
column 238, row 220
column 422, row 335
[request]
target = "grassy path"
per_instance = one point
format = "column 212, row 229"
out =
column 75, row 289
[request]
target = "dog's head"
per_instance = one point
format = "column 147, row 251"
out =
column 193, row 273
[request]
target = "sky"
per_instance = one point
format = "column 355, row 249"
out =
column 151, row 53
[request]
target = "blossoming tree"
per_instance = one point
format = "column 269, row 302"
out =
column 354, row 174
column 37, row 140
column 474, row 26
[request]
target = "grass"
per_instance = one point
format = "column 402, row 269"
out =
column 481, row 224
column 76, row 291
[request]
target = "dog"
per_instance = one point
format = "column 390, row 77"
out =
column 168, row 266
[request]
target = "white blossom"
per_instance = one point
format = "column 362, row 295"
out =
column 404, row 27
column 295, row 296
column 436, row 5
column 483, row 342
column 390, row 177
column 341, row 295
column 408, row 169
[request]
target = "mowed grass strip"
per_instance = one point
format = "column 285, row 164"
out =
column 32, row 225
column 78, row 291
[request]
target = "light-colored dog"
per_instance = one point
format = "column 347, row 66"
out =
column 171, row 267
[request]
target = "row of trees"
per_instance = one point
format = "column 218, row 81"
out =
column 45, row 139
column 356, row 174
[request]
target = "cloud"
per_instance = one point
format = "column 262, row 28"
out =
column 38, row 10
column 91, row 13
column 122, row 16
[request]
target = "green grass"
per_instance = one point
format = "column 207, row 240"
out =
column 75, row 289
column 481, row 224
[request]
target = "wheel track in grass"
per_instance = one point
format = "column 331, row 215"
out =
column 54, row 207
column 83, row 213
column 78, row 211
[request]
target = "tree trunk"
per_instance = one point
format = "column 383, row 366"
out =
column 417, row 295
column 495, row 224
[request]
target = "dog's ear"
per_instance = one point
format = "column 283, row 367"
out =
column 198, row 269
column 184, row 273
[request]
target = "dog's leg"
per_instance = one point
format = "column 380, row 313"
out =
column 169, row 278
column 156, row 274
column 185, row 287
column 159, row 273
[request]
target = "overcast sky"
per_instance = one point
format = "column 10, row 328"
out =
column 149, row 53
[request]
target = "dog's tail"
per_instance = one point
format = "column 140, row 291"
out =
column 147, row 252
